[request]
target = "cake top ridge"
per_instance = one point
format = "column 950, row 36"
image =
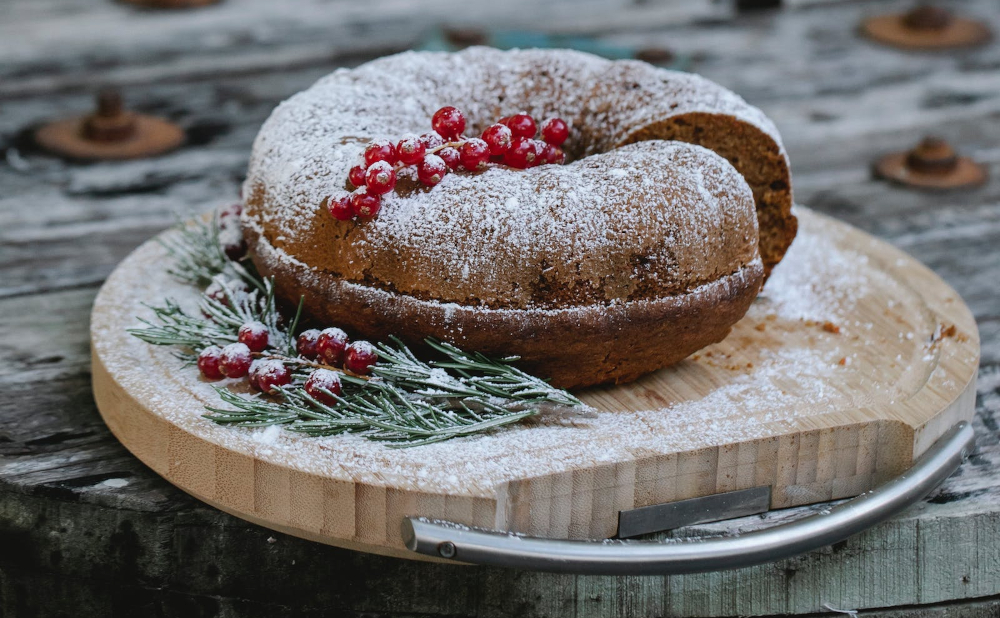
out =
column 478, row 238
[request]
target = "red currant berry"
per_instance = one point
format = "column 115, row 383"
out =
column 380, row 178
column 555, row 131
column 521, row 154
column 360, row 357
column 410, row 150
column 432, row 169
column 448, row 122
column 539, row 152
column 553, row 154
column 234, row 360
column 321, row 382
column 365, row 206
column 330, row 346
column 252, row 373
column 306, row 346
column 254, row 335
column 231, row 236
column 522, row 125
column 498, row 138
column 232, row 210
column 273, row 373
column 269, row 374
column 208, row 362
column 235, row 248
column 475, row 153
column 217, row 290
column 431, row 140
column 340, row 208
column 380, row 150
column 357, row 176
column 451, row 157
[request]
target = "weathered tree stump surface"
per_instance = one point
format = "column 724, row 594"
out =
column 86, row 530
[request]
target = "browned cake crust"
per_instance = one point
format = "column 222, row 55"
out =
column 575, row 347
column 635, row 101
column 625, row 260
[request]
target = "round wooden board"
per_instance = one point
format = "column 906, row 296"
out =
column 853, row 360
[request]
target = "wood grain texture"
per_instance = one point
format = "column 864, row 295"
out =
column 85, row 525
column 909, row 346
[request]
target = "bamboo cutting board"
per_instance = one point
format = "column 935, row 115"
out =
column 853, row 360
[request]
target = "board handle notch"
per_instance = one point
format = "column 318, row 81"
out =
column 461, row 543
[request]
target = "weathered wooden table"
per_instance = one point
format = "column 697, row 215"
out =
column 86, row 530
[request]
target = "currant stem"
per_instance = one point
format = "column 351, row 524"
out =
column 447, row 145
column 306, row 363
column 399, row 166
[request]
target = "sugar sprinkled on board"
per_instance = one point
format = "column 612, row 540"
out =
column 268, row 435
column 786, row 383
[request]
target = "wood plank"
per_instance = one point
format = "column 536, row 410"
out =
column 109, row 41
column 220, row 82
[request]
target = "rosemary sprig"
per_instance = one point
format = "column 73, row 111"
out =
column 219, row 321
column 407, row 401
column 198, row 257
column 382, row 411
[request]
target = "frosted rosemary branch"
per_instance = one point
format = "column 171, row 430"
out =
column 406, row 401
column 198, row 257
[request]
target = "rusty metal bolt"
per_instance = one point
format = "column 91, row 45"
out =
column 655, row 55
column 926, row 27
column 928, row 17
column 110, row 122
column 109, row 132
column 465, row 37
column 932, row 155
column 109, row 103
column 931, row 164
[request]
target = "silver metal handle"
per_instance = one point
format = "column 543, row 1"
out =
column 616, row 557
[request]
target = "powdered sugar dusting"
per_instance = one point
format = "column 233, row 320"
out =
column 680, row 209
column 779, row 367
column 364, row 347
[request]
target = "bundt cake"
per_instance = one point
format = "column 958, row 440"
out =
column 647, row 245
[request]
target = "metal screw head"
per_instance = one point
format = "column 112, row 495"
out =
column 447, row 549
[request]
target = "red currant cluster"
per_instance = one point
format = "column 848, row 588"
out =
column 231, row 233
column 321, row 351
column 511, row 142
